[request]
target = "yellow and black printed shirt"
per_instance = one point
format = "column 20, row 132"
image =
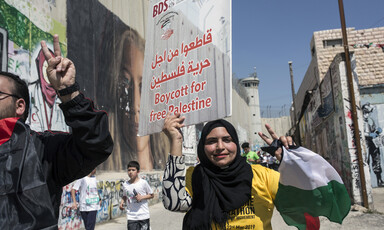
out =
column 255, row 214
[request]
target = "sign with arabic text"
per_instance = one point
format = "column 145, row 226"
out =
column 187, row 64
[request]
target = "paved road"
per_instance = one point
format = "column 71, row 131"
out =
column 162, row 219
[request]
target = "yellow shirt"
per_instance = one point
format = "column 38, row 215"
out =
column 257, row 212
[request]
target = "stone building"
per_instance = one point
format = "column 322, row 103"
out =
column 323, row 108
column 366, row 44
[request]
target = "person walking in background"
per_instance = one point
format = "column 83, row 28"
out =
column 264, row 159
column 272, row 162
column 136, row 193
column 89, row 199
column 252, row 157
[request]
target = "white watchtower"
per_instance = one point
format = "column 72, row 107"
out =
column 251, row 85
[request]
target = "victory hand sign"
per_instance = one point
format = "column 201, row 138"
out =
column 61, row 71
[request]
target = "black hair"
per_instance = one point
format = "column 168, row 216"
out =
column 20, row 89
column 134, row 164
column 245, row 145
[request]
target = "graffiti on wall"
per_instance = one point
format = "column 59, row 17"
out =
column 110, row 191
column 69, row 219
column 352, row 146
column 328, row 128
column 327, row 100
column 353, row 152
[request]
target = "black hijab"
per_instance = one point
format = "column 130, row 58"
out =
column 217, row 191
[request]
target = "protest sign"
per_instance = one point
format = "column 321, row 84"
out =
column 187, row 64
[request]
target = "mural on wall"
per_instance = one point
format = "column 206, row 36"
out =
column 326, row 91
column 3, row 49
column 45, row 111
column 23, row 25
column 350, row 127
column 69, row 219
column 374, row 138
column 327, row 128
column 114, row 75
column 25, row 59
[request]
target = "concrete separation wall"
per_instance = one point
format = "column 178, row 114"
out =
column 280, row 125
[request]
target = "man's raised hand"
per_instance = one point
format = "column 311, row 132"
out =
column 61, row 71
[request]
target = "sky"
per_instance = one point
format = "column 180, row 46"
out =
column 266, row 34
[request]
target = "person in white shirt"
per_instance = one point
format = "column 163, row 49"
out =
column 272, row 162
column 89, row 199
column 136, row 193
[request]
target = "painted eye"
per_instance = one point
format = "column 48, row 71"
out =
column 125, row 94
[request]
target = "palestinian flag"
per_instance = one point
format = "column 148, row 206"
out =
column 310, row 187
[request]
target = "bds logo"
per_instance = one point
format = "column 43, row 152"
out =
column 160, row 7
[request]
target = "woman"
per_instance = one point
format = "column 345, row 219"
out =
column 227, row 192
column 119, row 83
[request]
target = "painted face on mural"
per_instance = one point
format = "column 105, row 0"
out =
column 131, row 77
column 367, row 110
column 7, row 103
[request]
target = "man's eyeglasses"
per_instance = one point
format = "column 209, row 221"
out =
column 10, row 95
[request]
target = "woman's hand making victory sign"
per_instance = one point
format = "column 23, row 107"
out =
column 286, row 141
